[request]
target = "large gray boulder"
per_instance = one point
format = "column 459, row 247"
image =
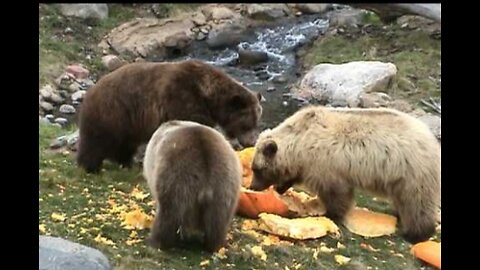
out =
column 343, row 84
column 85, row 11
column 60, row 254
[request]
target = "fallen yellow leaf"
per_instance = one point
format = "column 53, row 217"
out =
column 103, row 240
column 138, row 194
column 258, row 252
column 326, row 249
column 137, row 219
column 221, row 253
column 133, row 234
column 42, row 228
column 132, row 241
column 204, row 263
column 315, row 253
column 340, row 259
column 58, row 217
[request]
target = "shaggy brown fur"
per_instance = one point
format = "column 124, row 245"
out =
column 126, row 106
column 195, row 177
column 333, row 151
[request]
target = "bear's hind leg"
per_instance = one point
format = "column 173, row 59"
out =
column 416, row 215
column 163, row 234
column 216, row 219
column 125, row 155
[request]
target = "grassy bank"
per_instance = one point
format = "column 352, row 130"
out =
column 87, row 209
column 415, row 52
column 59, row 48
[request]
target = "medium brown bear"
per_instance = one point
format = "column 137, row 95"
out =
column 194, row 176
column 125, row 107
column 333, row 151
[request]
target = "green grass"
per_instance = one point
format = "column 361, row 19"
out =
column 83, row 200
column 415, row 53
column 57, row 50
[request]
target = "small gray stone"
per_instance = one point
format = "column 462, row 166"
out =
column 58, row 142
column 250, row 57
column 205, row 30
column 313, row 8
column 67, row 109
column 49, row 117
column 63, row 93
column 57, row 253
column 60, row 120
column 279, row 79
column 227, row 36
column 374, row 100
column 56, row 98
column 44, row 120
column 267, row 11
column 45, row 94
column 47, row 107
column 285, row 103
column 199, row 19
column 57, row 125
column 201, row 36
column 68, row 30
column 346, row 17
column 112, row 62
column 263, row 75
column 86, row 83
column 271, row 89
column 73, row 138
column 74, row 87
column 78, row 96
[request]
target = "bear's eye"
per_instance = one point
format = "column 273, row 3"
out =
column 256, row 171
column 246, row 128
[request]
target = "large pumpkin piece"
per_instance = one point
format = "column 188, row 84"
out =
column 297, row 228
column 291, row 203
column 246, row 156
column 430, row 252
column 253, row 203
column 369, row 224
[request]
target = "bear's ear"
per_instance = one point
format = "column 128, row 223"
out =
column 270, row 148
column 310, row 114
column 260, row 97
column 237, row 103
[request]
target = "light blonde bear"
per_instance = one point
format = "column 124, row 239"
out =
column 333, row 151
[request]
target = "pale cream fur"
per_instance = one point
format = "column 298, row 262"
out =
column 383, row 151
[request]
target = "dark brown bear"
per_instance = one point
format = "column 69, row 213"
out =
column 194, row 175
column 125, row 107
